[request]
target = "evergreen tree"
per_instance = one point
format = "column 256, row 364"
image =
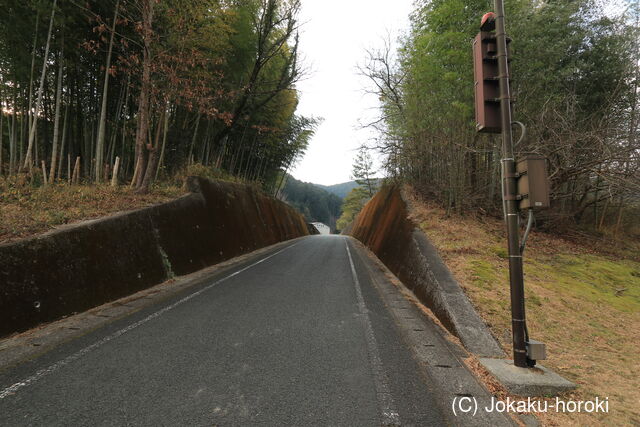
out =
column 363, row 171
column 352, row 205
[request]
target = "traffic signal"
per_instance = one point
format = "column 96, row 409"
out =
column 487, row 84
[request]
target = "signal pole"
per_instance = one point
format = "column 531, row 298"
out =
column 510, row 192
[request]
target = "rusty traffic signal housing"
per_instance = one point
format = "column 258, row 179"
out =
column 487, row 84
column 533, row 182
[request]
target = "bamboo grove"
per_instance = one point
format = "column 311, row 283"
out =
column 135, row 90
column 575, row 75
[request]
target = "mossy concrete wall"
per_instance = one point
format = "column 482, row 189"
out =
column 84, row 265
column 385, row 228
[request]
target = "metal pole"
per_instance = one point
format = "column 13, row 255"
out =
column 516, row 278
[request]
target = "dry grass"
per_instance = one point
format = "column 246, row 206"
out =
column 583, row 301
column 25, row 210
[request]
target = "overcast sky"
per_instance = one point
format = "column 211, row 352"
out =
column 333, row 40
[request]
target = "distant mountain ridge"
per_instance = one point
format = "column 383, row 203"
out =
column 341, row 190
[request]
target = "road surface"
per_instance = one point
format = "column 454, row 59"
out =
column 298, row 335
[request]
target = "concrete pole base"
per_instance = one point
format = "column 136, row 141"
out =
column 537, row 381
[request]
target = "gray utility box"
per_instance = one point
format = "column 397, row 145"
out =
column 536, row 350
column 533, row 182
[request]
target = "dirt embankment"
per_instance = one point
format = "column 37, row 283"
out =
column 385, row 227
column 86, row 264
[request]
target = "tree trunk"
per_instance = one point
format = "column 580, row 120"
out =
column 22, row 138
column 33, row 65
column 75, row 178
column 34, row 125
column 56, row 122
column 145, row 89
column 114, row 136
column 63, row 140
column 153, row 157
column 69, row 168
column 619, row 220
column 12, row 137
column 1, row 133
column 116, row 168
column 604, row 214
column 193, row 139
column 164, row 141
column 103, row 109
column 44, row 173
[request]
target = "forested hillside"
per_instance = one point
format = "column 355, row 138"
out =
column 316, row 204
column 141, row 89
column 575, row 82
column 341, row 190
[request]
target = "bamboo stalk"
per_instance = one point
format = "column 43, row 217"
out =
column 44, row 172
column 76, row 171
column 114, row 177
column 34, row 125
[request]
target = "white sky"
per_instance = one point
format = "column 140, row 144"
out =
column 333, row 40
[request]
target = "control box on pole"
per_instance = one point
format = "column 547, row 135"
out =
column 533, row 182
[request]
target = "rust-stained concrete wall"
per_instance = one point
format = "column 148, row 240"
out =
column 84, row 265
column 385, row 228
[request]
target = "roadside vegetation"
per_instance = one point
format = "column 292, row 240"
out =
column 27, row 209
column 582, row 300
column 140, row 90
column 575, row 74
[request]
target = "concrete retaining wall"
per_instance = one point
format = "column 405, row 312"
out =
column 384, row 226
column 84, row 265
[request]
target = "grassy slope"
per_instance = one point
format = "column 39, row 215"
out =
column 584, row 303
column 25, row 210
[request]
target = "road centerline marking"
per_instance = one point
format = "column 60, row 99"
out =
column 12, row 389
column 389, row 413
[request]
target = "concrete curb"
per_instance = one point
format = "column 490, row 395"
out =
column 385, row 227
column 450, row 303
column 441, row 359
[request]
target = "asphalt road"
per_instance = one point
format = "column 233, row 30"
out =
column 296, row 336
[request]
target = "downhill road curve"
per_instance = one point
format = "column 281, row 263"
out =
column 297, row 335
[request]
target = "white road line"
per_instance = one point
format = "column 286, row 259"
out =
column 389, row 415
column 75, row 356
